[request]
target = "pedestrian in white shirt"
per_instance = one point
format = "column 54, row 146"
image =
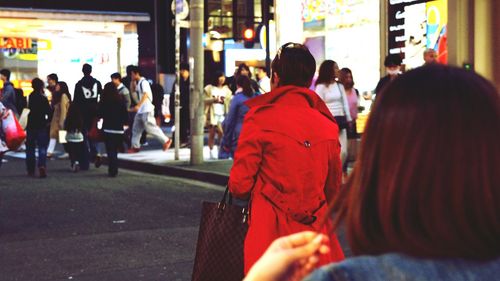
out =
column 144, row 119
column 333, row 94
column 264, row 81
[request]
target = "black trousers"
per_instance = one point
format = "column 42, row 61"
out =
column 113, row 143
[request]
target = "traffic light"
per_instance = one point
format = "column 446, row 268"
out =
column 248, row 37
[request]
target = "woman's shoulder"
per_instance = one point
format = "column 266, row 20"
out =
column 401, row 267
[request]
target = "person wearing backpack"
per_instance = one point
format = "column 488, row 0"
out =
column 144, row 119
column 8, row 96
column 87, row 92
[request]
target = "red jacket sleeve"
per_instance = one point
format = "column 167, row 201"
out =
column 247, row 160
column 334, row 178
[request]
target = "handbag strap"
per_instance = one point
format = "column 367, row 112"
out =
column 226, row 193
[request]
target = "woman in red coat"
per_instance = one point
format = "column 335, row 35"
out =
column 288, row 158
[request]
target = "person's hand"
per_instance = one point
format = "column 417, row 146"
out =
column 289, row 258
column 134, row 109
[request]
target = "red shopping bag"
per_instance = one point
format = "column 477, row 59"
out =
column 14, row 133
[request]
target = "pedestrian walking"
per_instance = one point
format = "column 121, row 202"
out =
column 145, row 119
column 74, row 136
column 185, row 121
column 8, row 94
column 87, row 93
column 392, row 65
column 114, row 115
column 236, row 114
column 217, row 99
column 52, row 80
column 287, row 161
column 123, row 91
column 242, row 69
column 264, row 80
column 334, row 96
column 37, row 130
column 352, row 95
column 406, row 219
column 61, row 100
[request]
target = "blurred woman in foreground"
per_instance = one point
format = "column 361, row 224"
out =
column 423, row 201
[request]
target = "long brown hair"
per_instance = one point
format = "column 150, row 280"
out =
column 327, row 73
column 426, row 182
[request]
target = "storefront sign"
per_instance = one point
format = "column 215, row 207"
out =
column 15, row 43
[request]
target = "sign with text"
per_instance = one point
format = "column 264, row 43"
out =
column 415, row 25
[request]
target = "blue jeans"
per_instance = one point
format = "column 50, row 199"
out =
column 36, row 138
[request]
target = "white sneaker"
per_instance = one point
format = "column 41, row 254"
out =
column 63, row 156
column 212, row 156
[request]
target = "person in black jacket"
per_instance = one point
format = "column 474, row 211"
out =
column 37, row 129
column 87, row 92
column 114, row 114
column 185, row 126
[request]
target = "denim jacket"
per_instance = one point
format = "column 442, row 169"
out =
column 396, row 267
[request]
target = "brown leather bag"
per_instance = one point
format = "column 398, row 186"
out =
column 219, row 251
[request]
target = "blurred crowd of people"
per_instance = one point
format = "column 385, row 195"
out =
column 117, row 115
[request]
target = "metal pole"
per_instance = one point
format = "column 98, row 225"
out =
column 265, row 18
column 177, row 105
column 197, row 99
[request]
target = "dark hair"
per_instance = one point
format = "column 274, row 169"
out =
column 110, row 94
column 74, row 118
column 136, row 69
column 241, row 67
column 392, row 60
column 294, row 65
column 217, row 75
column 37, row 84
column 53, row 76
column 262, row 68
column 327, row 72
column 63, row 90
column 116, row 75
column 244, row 82
column 129, row 69
column 86, row 69
column 184, row 66
column 5, row 72
column 396, row 201
column 343, row 73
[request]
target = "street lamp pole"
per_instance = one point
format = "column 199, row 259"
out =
column 197, row 99
column 177, row 105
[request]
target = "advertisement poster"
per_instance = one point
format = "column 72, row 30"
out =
column 415, row 26
column 346, row 31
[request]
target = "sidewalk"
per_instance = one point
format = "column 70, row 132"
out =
column 160, row 162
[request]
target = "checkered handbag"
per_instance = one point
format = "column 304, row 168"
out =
column 219, row 251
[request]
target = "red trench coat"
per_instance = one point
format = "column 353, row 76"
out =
column 288, row 164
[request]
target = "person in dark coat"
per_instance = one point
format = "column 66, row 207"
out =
column 114, row 115
column 392, row 64
column 87, row 92
column 184, row 122
column 37, row 130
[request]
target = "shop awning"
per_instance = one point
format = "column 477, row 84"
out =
column 74, row 15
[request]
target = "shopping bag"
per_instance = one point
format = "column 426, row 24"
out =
column 14, row 133
column 219, row 251
column 23, row 119
column 96, row 134
column 62, row 136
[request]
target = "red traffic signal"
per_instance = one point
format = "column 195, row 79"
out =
column 248, row 37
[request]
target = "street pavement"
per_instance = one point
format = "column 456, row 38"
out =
column 87, row 226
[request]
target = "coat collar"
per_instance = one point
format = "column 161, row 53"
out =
column 309, row 96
